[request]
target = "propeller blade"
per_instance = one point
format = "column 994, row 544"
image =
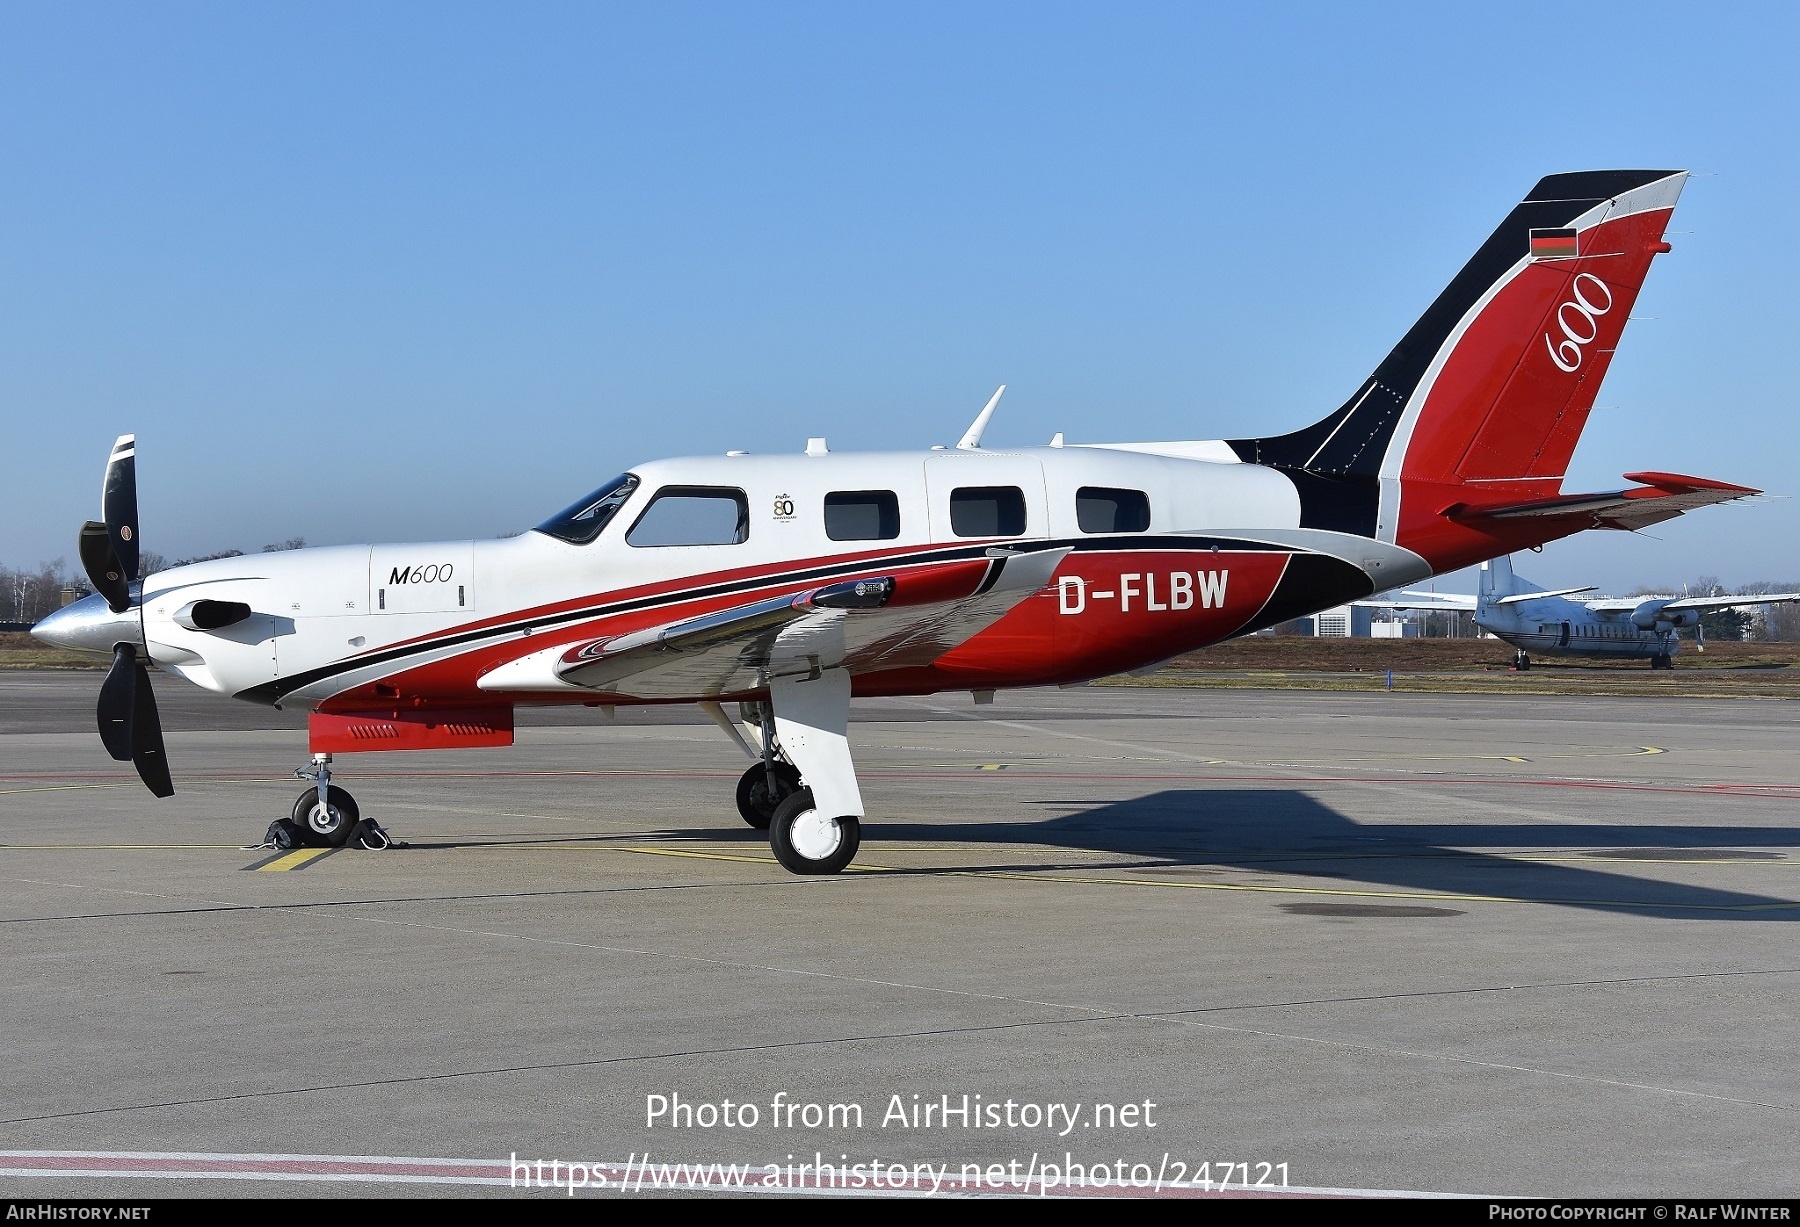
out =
column 118, row 504
column 147, row 740
column 103, row 569
column 118, row 704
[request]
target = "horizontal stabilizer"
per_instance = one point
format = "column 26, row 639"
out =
column 1517, row 597
column 1663, row 497
column 1453, row 601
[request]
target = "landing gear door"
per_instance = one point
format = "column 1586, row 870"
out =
column 434, row 578
column 979, row 494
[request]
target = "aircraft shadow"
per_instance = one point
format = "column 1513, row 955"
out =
column 1287, row 832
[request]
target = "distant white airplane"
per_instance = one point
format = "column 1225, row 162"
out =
column 1534, row 619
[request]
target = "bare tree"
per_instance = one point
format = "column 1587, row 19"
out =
column 292, row 543
column 27, row 596
column 1773, row 623
column 182, row 562
column 1724, row 625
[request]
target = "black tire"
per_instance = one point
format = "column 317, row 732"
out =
column 332, row 829
column 1662, row 662
column 753, row 799
column 811, row 856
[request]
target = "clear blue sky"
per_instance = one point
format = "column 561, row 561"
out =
column 408, row 271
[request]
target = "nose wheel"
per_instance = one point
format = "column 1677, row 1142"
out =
column 328, row 825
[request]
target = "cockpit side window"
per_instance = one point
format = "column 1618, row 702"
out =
column 693, row 515
column 583, row 520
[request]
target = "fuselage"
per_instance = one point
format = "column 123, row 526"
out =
column 1173, row 546
column 1557, row 626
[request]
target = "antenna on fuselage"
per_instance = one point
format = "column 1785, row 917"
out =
column 971, row 440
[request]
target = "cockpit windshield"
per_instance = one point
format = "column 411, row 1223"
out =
column 582, row 521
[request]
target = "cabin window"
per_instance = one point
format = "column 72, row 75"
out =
column 987, row 511
column 1099, row 509
column 693, row 515
column 862, row 515
column 582, row 521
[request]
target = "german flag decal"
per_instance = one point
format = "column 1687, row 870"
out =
column 1557, row 244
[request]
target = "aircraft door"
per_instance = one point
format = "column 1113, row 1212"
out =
column 1563, row 641
column 983, row 495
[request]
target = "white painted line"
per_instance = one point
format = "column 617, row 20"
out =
column 634, row 1176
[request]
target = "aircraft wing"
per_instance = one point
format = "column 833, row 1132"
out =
column 1663, row 497
column 1630, row 604
column 864, row 625
column 1459, row 601
column 1727, row 602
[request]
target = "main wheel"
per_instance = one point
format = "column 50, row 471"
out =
column 754, row 800
column 1522, row 663
column 328, row 827
column 808, row 842
column 1662, row 662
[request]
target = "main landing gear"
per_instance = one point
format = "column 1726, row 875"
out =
column 762, row 789
column 1521, row 662
column 325, row 816
column 1662, row 662
column 808, row 842
column 802, row 788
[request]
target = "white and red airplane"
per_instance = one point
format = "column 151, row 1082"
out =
column 788, row 584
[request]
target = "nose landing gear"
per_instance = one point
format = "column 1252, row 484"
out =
column 325, row 816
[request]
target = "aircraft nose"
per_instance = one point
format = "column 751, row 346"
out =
column 89, row 625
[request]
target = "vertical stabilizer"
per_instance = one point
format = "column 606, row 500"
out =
column 1484, row 398
column 1498, row 580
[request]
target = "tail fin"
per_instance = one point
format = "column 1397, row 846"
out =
column 1497, row 579
column 1484, row 398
